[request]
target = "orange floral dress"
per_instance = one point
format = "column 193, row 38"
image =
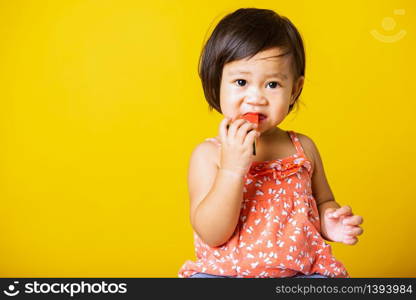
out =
column 278, row 233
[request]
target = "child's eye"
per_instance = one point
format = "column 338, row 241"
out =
column 241, row 82
column 273, row 84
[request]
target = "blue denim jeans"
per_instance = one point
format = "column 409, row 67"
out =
column 205, row 275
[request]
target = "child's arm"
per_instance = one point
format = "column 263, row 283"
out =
column 216, row 196
column 338, row 224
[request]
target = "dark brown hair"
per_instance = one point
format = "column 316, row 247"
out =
column 242, row 34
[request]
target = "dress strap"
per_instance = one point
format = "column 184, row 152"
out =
column 295, row 140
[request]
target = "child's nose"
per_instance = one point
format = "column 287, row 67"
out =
column 255, row 101
column 255, row 96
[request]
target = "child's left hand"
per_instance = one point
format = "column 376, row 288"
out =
column 341, row 225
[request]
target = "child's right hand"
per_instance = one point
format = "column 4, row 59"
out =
column 237, row 145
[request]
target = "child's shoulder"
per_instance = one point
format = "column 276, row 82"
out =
column 305, row 140
column 208, row 150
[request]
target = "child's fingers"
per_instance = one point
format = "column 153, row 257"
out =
column 354, row 230
column 330, row 213
column 250, row 138
column 352, row 220
column 232, row 131
column 223, row 129
column 342, row 211
column 350, row 240
column 243, row 131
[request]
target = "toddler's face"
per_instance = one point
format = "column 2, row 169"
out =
column 262, row 84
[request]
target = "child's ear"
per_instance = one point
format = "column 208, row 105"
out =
column 297, row 89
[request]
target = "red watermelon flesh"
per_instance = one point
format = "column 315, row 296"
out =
column 251, row 117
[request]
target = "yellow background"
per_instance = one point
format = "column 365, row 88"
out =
column 101, row 107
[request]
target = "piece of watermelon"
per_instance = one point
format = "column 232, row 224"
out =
column 252, row 118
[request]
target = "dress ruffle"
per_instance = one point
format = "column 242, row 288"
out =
column 280, row 168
